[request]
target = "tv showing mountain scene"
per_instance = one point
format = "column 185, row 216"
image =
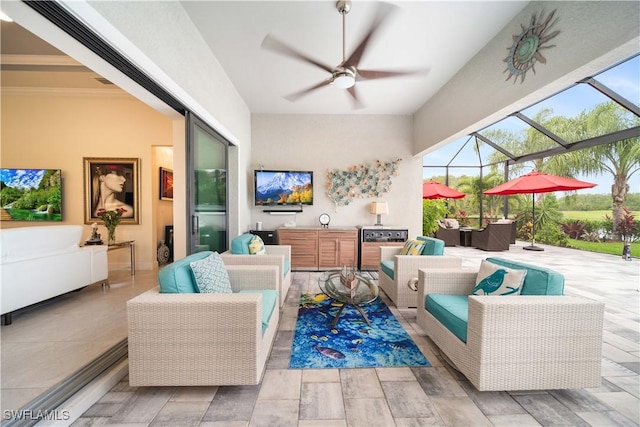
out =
column 30, row 195
column 282, row 188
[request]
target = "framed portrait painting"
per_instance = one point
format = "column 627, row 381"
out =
column 166, row 184
column 110, row 184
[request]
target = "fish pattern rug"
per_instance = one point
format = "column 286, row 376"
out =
column 352, row 343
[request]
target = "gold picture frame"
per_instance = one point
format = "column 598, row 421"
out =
column 111, row 183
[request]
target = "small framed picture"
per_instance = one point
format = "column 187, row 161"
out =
column 166, row 184
column 109, row 184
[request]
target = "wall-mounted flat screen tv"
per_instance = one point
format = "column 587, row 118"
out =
column 283, row 188
column 31, row 194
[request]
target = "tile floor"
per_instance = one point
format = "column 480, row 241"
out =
column 49, row 341
column 436, row 395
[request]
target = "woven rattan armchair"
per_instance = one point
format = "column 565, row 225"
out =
column 194, row 339
column 400, row 287
column 450, row 236
column 522, row 342
column 494, row 237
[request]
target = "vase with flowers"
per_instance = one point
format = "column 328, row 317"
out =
column 111, row 220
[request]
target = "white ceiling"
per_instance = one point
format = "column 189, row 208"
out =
column 438, row 36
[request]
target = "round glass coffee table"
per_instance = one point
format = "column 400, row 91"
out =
column 364, row 291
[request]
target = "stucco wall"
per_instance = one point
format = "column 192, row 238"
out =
column 320, row 143
column 594, row 35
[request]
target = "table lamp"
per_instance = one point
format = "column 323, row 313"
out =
column 379, row 208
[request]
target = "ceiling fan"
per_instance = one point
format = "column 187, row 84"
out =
column 346, row 74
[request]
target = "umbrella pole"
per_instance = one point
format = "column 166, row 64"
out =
column 532, row 246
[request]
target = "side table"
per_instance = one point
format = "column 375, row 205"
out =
column 131, row 244
column 465, row 237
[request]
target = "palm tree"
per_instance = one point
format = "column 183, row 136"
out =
column 621, row 159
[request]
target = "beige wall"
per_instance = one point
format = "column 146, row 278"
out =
column 321, row 143
column 56, row 130
column 594, row 35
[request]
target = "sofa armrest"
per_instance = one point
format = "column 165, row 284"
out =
column 253, row 277
column 388, row 252
column 184, row 335
column 406, row 266
column 551, row 339
column 230, row 259
column 446, row 281
column 284, row 250
column 532, row 317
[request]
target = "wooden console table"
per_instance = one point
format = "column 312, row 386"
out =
column 315, row 248
column 131, row 244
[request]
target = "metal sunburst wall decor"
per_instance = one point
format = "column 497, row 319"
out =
column 526, row 47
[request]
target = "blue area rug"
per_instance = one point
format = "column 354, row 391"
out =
column 352, row 343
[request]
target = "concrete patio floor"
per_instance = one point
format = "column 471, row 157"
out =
column 436, row 395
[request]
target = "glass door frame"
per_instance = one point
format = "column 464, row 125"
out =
column 193, row 122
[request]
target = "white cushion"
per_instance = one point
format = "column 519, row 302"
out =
column 495, row 279
column 451, row 223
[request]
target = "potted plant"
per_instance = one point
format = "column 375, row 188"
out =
column 626, row 228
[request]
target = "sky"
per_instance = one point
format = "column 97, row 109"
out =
column 623, row 79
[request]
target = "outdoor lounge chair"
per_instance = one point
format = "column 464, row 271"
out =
column 398, row 273
column 450, row 236
column 538, row 340
column 494, row 237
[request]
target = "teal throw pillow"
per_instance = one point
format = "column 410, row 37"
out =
column 495, row 279
column 211, row 275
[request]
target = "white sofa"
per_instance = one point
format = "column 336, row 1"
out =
column 42, row 262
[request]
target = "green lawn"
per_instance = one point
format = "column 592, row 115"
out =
column 590, row 215
column 614, row 248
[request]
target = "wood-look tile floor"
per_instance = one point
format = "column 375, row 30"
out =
column 436, row 395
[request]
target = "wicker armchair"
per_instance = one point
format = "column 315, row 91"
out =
column 524, row 342
column 279, row 255
column 193, row 339
column 401, row 271
column 450, row 236
column 494, row 237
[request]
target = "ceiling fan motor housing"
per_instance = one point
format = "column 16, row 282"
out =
column 344, row 6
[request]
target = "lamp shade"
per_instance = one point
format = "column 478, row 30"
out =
column 379, row 208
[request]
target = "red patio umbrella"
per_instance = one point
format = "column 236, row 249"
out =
column 537, row 182
column 434, row 190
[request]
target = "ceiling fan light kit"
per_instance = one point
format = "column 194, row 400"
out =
column 346, row 74
column 344, row 79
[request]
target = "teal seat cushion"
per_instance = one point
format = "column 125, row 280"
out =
column 269, row 301
column 450, row 310
column 432, row 246
column 177, row 277
column 387, row 267
column 538, row 280
column 240, row 244
column 287, row 267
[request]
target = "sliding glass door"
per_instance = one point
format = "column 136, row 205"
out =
column 207, row 187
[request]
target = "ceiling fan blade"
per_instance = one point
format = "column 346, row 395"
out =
column 381, row 74
column 297, row 95
column 383, row 12
column 354, row 98
column 276, row 45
